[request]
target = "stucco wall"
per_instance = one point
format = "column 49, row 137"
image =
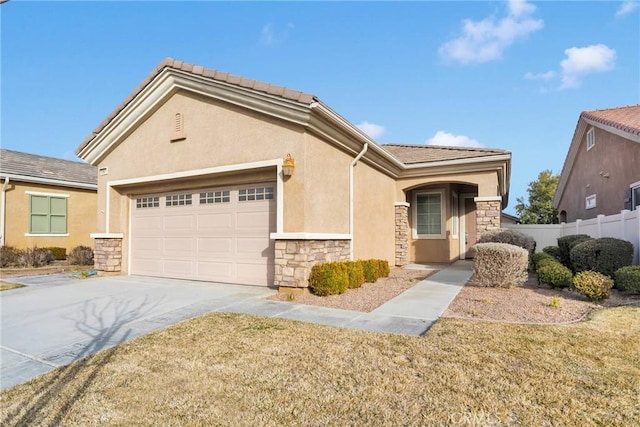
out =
column 81, row 216
column 612, row 155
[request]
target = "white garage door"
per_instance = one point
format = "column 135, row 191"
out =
column 219, row 234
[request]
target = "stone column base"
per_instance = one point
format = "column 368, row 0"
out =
column 487, row 215
column 107, row 255
column 402, row 234
column 294, row 259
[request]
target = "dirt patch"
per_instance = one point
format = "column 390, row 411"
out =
column 57, row 267
column 531, row 303
column 368, row 297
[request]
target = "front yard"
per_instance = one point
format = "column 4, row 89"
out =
column 227, row 369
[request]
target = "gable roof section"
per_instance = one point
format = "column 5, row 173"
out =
column 27, row 167
column 412, row 154
column 621, row 121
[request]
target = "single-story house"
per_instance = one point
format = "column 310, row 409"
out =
column 210, row 176
column 46, row 201
column 601, row 173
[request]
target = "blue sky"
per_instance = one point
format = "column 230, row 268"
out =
column 511, row 75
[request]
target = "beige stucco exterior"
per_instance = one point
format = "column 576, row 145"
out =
column 606, row 170
column 344, row 190
column 81, row 216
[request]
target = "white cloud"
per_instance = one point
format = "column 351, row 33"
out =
column 540, row 76
column 451, row 140
column 486, row 40
column 581, row 61
column 270, row 35
column 373, row 130
column 627, row 7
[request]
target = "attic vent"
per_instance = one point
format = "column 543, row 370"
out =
column 178, row 128
column 103, row 171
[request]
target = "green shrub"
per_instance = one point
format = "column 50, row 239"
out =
column 80, row 255
column 565, row 243
column 628, row 278
column 500, row 264
column 554, row 251
column 539, row 257
column 355, row 271
column 34, row 257
column 511, row 237
column 58, row 253
column 371, row 273
column 9, row 256
column 604, row 255
column 593, row 285
column 383, row 268
column 555, row 274
column 330, row 278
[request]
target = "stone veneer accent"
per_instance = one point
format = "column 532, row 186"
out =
column 402, row 234
column 294, row 259
column 487, row 216
column 107, row 255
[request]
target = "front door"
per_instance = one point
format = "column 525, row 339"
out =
column 470, row 235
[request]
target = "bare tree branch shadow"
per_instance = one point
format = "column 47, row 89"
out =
column 93, row 322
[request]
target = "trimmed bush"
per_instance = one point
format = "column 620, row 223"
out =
column 555, row 274
column 565, row 243
column 511, row 237
column 383, row 268
column 539, row 257
column 58, row 253
column 9, row 256
column 500, row 264
column 80, row 255
column 593, row 285
column 604, row 255
column 628, row 278
column 371, row 273
column 554, row 251
column 329, row 278
column 355, row 271
column 35, row 257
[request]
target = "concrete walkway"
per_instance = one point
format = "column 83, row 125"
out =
column 57, row 319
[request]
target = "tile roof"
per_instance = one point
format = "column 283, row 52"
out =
column 409, row 154
column 624, row 118
column 219, row 76
column 36, row 166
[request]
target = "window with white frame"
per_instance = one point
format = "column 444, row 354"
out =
column 147, row 202
column 428, row 215
column 635, row 197
column 178, row 200
column 591, row 138
column 590, row 202
column 251, row 194
column 209, row 197
column 47, row 214
column 454, row 216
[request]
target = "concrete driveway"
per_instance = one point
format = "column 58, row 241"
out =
column 58, row 319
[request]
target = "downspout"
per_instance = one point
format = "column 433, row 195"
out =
column 351, row 204
column 3, row 199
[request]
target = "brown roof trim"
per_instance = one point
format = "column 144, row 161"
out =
column 423, row 153
column 275, row 90
column 625, row 118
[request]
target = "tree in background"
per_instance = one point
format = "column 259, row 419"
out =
column 540, row 209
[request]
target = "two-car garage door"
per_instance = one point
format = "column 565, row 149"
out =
column 218, row 234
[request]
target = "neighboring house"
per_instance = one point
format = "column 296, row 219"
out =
column 509, row 219
column 209, row 176
column 46, row 201
column 601, row 173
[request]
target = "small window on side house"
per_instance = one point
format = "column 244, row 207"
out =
column 635, row 198
column 590, row 202
column 47, row 215
column 591, row 139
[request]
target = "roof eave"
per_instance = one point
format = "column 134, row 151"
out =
column 48, row 181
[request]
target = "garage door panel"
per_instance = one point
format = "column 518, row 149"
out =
column 215, row 221
column 214, row 245
column 216, row 238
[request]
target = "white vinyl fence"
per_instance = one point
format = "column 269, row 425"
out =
column 625, row 225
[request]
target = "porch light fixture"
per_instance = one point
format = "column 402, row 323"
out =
column 288, row 165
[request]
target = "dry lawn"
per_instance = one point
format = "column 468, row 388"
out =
column 5, row 286
column 239, row 370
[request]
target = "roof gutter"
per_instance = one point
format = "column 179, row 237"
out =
column 351, row 197
column 3, row 200
column 48, row 181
